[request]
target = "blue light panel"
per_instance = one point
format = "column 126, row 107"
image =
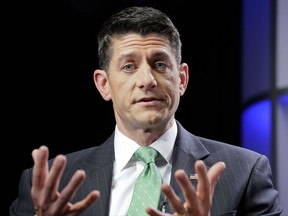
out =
column 256, row 127
column 283, row 100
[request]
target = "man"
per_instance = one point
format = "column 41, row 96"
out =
column 141, row 72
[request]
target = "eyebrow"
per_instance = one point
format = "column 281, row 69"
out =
column 154, row 54
column 127, row 55
column 160, row 54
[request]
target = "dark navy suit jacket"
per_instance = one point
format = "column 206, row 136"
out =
column 244, row 188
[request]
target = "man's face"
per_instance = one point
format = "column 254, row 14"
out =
column 144, row 81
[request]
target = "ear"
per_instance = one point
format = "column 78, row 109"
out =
column 184, row 78
column 102, row 84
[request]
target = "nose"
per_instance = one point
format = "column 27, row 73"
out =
column 146, row 78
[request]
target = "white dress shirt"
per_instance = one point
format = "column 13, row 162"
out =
column 127, row 168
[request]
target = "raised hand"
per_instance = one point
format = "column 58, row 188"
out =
column 48, row 200
column 198, row 201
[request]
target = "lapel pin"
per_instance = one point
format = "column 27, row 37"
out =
column 193, row 177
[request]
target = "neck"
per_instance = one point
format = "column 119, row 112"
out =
column 145, row 136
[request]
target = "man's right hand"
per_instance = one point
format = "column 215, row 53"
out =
column 46, row 197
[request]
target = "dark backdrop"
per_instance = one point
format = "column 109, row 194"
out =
column 52, row 53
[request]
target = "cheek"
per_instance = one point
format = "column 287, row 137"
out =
column 119, row 93
column 174, row 92
column 173, row 85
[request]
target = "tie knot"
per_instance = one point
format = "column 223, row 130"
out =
column 146, row 154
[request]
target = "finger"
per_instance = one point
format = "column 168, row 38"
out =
column 82, row 205
column 189, row 192
column 203, row 187
column 155, row 212
column 207, row 182
column 40, row 170
column 214, row 173
column 68, row 192
column 173, row 199
column 50, row 193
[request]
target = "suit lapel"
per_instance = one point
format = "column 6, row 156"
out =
column 188, row 148
column 99, row 169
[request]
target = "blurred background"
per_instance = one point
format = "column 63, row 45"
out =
column 237, row 92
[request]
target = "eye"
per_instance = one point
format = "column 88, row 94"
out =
column 129, row 68
column 160, row 66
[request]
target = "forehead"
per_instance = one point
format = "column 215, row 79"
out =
column 133, row 42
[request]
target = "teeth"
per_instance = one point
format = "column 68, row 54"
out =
column 145, row 100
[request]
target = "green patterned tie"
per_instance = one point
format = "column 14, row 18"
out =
column 147, row 189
